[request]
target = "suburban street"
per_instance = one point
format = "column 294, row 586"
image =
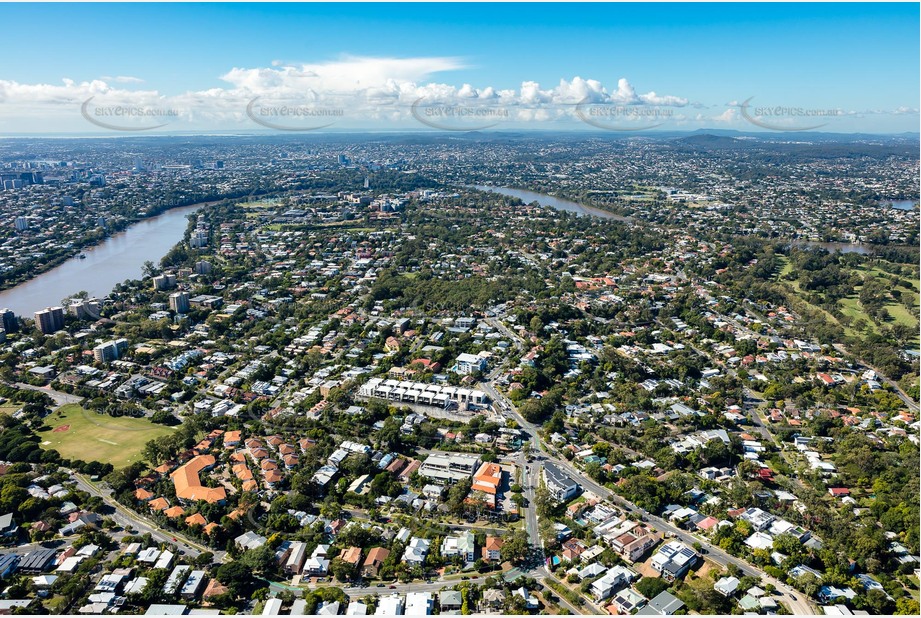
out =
column 60, row 398
column 795, row 600
column 124, row 517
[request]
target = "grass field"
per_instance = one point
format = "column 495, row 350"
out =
column 787, row 266
column 91, row 436
column 269, row 203
column 851, row 306
column 9, row 408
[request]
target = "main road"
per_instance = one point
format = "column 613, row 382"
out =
column 797, row 603
column 60, row 398
column 125, row 517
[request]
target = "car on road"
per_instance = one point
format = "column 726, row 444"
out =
column 392, row 587
column 381, row 585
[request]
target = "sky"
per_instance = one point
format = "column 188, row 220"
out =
column 97, row 68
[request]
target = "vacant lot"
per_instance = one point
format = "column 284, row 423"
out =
column 77, row 433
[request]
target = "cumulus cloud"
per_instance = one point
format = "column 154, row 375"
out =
column 729, row 116
column 365, row 88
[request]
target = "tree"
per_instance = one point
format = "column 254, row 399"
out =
column 331, row 508
column 907, row 606
column 149, row 269
column 457, row 494
column 876, row 602
column 164, row 417
column 649, row 587
column 536, row 325
column 516, row 548
column 236, row 576
column 543, row 502
column 342, row 570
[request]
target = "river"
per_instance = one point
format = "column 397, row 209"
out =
column 560, row 204
column 832, row 247
column 900, row 204
column 119, row 257
column 554, row 202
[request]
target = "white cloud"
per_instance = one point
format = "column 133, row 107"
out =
column 730, row 116
column 367, row 89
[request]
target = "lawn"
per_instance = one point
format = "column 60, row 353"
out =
column 851, row 306
column 901, row 315
column 260, row 204
column 787, row 266
column 77, row 433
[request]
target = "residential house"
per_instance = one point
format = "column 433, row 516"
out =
column 663, row 604
column 374, row 561
column 614, row 578
column 463, row 545
column 492, row 549
column 416, row 551
column 674, row 559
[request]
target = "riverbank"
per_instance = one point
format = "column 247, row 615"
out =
column 551, row 201
column 568, row 205
column 119, row 257
column 91, row 241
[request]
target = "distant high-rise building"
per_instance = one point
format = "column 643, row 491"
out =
column 110, row 350
column 203, row 267
column 10, row 321
column 84, row 309
column 22, row 224
column 199, row 239
column 343, row 160
column 218, row 165
column 67, row 200
column 105, row 352
column 164, row 282
column 179, row 302
column 50, row 320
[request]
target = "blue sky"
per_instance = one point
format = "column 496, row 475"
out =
column 700, row 59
